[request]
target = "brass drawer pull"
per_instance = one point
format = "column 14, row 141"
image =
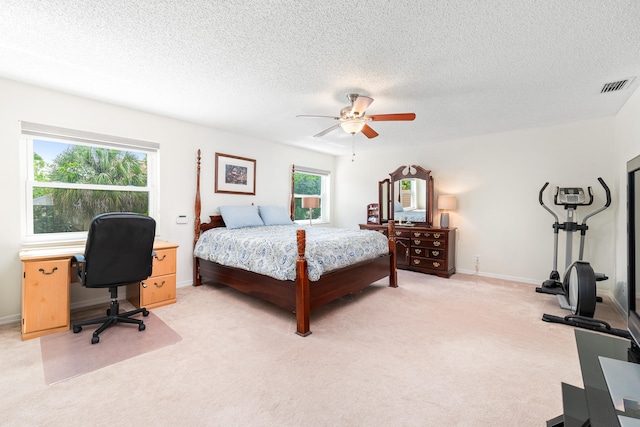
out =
column 398, row 233
column 417, row 242
column 416, row 261
column 435, row 253
column 436, row 235
column 427, row 234
column 436, row 264
column 418, row 251
column 436, row 243
column 160, row 259
column 416, row 233
column 160, row 285
column 41, row 270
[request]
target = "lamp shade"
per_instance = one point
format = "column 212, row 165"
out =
column 310, row 202
column 352, row 126
column 447, row 202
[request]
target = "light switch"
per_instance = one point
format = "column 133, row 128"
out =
column 181, row 219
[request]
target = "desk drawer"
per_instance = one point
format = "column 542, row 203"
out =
column 45, row 297
column 164, row 262
column 158, row 290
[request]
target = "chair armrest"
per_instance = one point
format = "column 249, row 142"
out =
column 153, row 255
column 79, row 260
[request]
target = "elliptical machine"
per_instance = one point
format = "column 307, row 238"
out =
column 577, row 290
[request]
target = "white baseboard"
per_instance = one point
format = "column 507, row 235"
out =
column 500, row 276
column 15, row 318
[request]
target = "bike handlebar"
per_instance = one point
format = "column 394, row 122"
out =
column 542, row 191
column 606, row 189
column 542, row 202
column 606, row 205
column 584, row 221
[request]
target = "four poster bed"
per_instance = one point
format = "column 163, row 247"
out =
column 300, row 294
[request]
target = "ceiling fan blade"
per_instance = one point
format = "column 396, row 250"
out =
column 392, row 117
column 368, row 132
column 326, row 131
column 305, row 116
column 360, row 105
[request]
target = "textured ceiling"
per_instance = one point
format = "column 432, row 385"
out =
column 249, row 67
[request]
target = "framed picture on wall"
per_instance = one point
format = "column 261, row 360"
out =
column 235, row 175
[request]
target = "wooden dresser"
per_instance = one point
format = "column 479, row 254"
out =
column 427, row 250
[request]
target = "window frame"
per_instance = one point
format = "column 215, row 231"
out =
column 31, row 132
column 325, row 195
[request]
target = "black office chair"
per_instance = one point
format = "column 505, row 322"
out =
column 119, row 252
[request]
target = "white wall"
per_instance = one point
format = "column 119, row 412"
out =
column 497, row 179
column 179, row 142
column 627, row 146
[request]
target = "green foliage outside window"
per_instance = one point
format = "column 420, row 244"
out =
column 58, row 209
column 306, row 184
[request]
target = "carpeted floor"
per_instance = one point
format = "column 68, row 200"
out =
column 467, row 351
column 66, row 355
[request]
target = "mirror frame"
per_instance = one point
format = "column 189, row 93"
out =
column 415, row 172
column 384, row 200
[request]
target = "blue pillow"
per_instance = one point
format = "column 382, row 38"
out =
column 240, row 216
column 274, row 215
column 397, row 207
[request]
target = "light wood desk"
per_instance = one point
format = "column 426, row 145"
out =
column 46, row 279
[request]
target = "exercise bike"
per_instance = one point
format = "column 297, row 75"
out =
column 577, row 290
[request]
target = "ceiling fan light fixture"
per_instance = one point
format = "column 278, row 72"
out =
column 352, row 126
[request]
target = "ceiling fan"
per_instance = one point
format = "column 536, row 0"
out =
column 353, row 119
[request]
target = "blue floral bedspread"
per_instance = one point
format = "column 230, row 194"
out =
column 272, row 249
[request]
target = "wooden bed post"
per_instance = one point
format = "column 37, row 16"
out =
column 292, row 206
column 303, row 305
column 197, row 281
column 393, row 270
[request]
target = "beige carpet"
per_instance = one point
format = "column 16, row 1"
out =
column 466, row 351
column 66, row 355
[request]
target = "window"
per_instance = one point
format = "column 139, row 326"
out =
column 408, row 193
column 314, row 183
column 72, row 176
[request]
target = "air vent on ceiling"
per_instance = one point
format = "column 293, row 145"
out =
column 616, row 86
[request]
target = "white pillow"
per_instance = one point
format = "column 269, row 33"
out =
column 274, row 215
column 240, row 216
column 397, row 207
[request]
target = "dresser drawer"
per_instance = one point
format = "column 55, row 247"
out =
column 426, row 252
column 384, row 231
column 428, row 234
column 399, row 233
column 433, row 264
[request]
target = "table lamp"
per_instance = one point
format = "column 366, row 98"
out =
column 310, row 203
column 446, row 203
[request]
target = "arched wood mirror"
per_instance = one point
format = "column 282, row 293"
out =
column 411, row 196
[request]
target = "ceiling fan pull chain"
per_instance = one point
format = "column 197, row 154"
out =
column 353, row 147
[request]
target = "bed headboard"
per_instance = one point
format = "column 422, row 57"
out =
column 216, row 220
